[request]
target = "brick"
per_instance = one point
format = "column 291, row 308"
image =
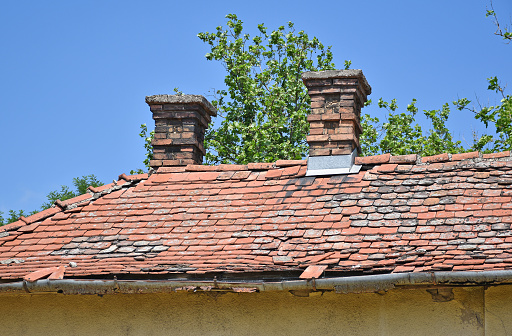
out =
column 317, row 138
column 319, row 151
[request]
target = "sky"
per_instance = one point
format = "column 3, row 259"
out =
column 74, row 74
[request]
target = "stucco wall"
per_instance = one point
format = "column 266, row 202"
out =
column 397, row 312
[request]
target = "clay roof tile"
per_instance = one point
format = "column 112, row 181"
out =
column 398, row 214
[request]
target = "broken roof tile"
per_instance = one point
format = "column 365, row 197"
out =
column 40, row 273
column 399, row 216
column 313, row 271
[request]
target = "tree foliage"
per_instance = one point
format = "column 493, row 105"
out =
column 147, row 138
column 265, row 103
column 504, row 32
column 80, row 183
column 400, row 134
column 498, row 118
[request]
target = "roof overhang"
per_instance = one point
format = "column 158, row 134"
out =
column 353, row 284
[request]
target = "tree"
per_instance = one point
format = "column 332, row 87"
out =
column 148, row 137
column 399, row 134
column 265, row 103
column 498, row 117
column 80, row 183
column 500, row 31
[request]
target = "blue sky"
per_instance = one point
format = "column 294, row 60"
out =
column 74, row 74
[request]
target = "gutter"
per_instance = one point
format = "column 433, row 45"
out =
column 355, row 284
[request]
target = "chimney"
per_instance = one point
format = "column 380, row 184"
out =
column 180, row 124
column 336, row 100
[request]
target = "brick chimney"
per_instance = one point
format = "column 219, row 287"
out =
column 336, row 100
column 180, row 124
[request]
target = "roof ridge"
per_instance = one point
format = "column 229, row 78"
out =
column 93, row 193
column 233, row 167
column 124, row 182
column 416, row 159
column 411, row 159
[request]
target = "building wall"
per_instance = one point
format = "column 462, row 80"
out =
column 473, row 311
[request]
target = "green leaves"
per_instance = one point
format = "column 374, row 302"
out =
column 265, row 104
column 80, row 183
column 493, row 84
column 503, row 32
column 13, row 216
column 400, row 134
column 501, row 119
column 498, row 118
column 148, row 137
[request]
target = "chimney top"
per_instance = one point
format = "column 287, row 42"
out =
column 345, row 74
column 180, row 125
column 182, row 99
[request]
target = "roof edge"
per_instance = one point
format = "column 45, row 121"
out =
column 92, row 194
column 342, row 285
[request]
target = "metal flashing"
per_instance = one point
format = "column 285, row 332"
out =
column 332, row 165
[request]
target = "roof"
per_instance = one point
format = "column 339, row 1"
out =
column 398, row 214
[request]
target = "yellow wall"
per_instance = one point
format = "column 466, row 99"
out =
column 397, row 312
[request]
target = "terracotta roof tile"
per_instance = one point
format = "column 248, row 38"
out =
column 400, row 159
column 496, row 155
column 436, row 158
column 376, row 159
column 399, row 214
column 288, row 163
